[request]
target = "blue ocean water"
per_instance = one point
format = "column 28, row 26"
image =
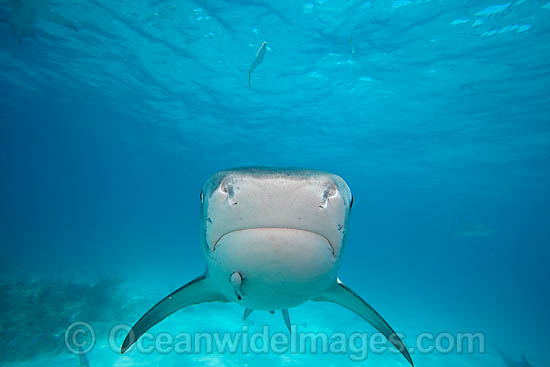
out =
column 436, row 113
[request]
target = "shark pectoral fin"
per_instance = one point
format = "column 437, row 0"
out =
column 247, row 312
column 196, row 291
column 61, row 20
column 287, row 319
column 343, row 296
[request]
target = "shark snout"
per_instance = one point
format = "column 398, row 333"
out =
column 304, row 201
column 326, row 191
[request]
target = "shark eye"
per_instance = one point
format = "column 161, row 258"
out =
column 202, row 197
column 351, row 203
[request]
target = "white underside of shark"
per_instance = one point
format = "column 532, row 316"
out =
column 273, row 239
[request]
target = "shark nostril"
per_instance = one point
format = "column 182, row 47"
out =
column 227, row 188
column 330, row 192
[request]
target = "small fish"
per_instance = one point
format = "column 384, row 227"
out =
column 352, row 49
column 257, row 61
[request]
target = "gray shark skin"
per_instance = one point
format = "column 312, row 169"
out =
column 273, row 239
column 25, row 13
column 509, row 362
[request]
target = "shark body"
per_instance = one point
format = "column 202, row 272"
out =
column 25, row 13
column 273, row 239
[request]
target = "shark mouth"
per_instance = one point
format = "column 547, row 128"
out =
column 217, row 244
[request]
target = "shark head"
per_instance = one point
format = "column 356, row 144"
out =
column 285, row 228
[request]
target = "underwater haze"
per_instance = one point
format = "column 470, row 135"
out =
column 113, row 114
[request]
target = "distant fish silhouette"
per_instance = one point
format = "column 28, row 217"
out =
column 510, row 362
column 471, row 230
column 25, row 13
column 257, row 61
column 83, row 358
column 352, row 49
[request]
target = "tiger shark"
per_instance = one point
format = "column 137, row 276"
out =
column 273, row 239
column 25, row 13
